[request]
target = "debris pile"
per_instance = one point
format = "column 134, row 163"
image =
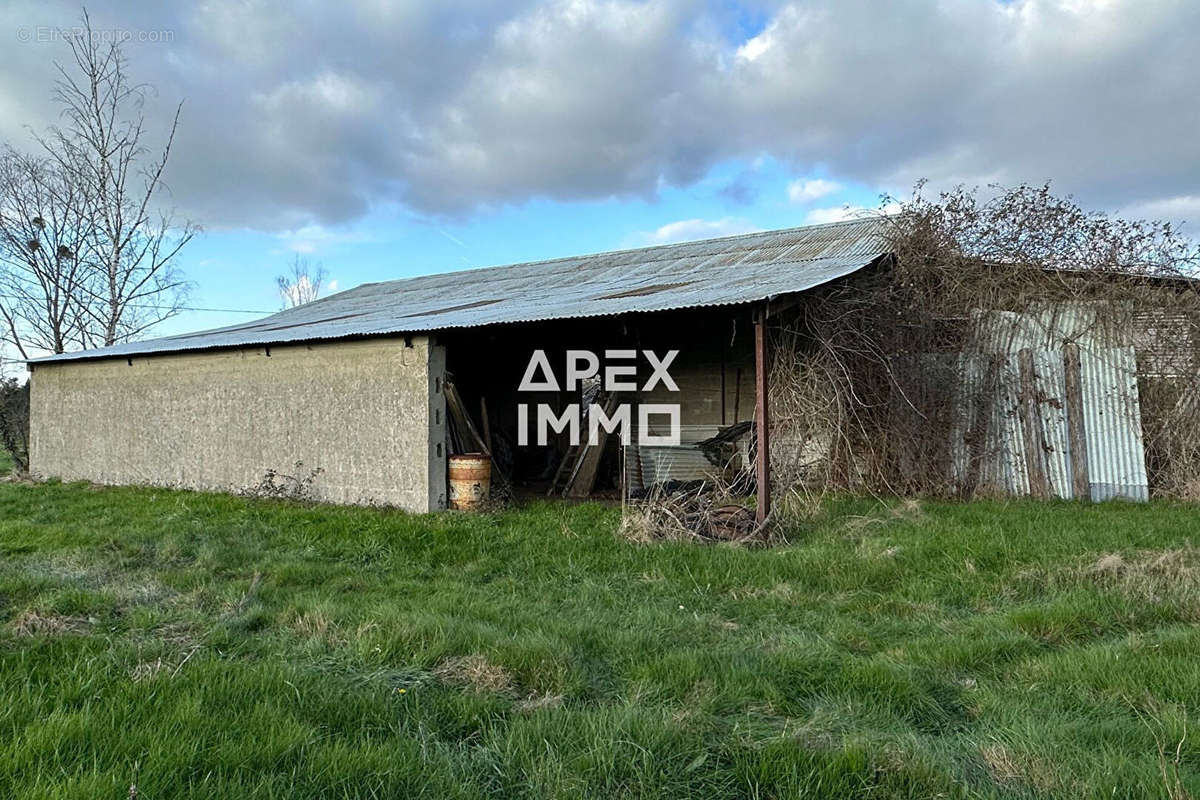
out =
column 697, row 514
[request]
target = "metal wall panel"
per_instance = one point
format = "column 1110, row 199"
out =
column 661, row 463
column 1113, row 422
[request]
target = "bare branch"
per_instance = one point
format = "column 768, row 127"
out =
column 302, row 284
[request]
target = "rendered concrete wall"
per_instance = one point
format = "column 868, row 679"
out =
column 369, row 413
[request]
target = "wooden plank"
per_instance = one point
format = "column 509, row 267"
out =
column 1076, row 432
column 483, row 418
column 584, row 478
column 1031, row 426
column 624, row 488
column 723, row 390
column 462, row 421
column 762, row 422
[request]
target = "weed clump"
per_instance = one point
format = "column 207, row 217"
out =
column 1150, row 575
column 476, row 673
column 282, row 486
column 36, row 623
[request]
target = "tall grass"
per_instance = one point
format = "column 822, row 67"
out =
column 203, row 645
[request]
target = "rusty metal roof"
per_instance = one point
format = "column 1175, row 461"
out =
column 726, row 271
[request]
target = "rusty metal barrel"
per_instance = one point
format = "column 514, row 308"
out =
column 470, row 480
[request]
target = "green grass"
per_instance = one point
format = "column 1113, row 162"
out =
column 6, row 462
column 203, row 645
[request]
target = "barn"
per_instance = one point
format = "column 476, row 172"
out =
column 369, row 391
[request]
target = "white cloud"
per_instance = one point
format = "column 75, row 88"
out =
column 1183, row 209
column 753, row 48
column 314, row 238
column 686, row 230
column 820, row 216
column 329, row 93
column 805, row 191
column 476, row 104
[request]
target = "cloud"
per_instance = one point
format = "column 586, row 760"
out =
column 316, row 116
column 315, row 238
column 688, row 229
column 805, row 191
column 1181, row 210
column 820, row 216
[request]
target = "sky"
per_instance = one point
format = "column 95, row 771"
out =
column 385, row 140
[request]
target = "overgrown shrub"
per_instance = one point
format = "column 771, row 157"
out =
column 870, row 380
column 14, row 421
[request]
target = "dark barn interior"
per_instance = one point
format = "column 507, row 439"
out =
column 714, row 372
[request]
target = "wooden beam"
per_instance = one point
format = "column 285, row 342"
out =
column 583, row 479
column 1081, row 487
column 1031, row 424
column 463, row 425
column 487, row 427
column 778, row 305
column 762, row 421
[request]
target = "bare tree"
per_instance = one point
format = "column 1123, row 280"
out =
column 87, row 251
column 43, row 222
column 134, row 284
column 302, row 284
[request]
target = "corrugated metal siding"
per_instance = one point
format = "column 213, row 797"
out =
column 684, row 462
column 1111, row 406
column 1047, row 328
column 992, row 411
column 1112, row 424
column 1167, row 340
column 726, row 271
column 661, row 464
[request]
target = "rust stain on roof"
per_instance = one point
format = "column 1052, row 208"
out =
column 645, row 290
column 448, row 309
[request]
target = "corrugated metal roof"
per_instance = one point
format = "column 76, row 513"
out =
column 713, row 272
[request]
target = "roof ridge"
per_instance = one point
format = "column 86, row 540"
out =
column 600, row 253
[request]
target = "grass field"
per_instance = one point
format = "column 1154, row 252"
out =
column 202, row 645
